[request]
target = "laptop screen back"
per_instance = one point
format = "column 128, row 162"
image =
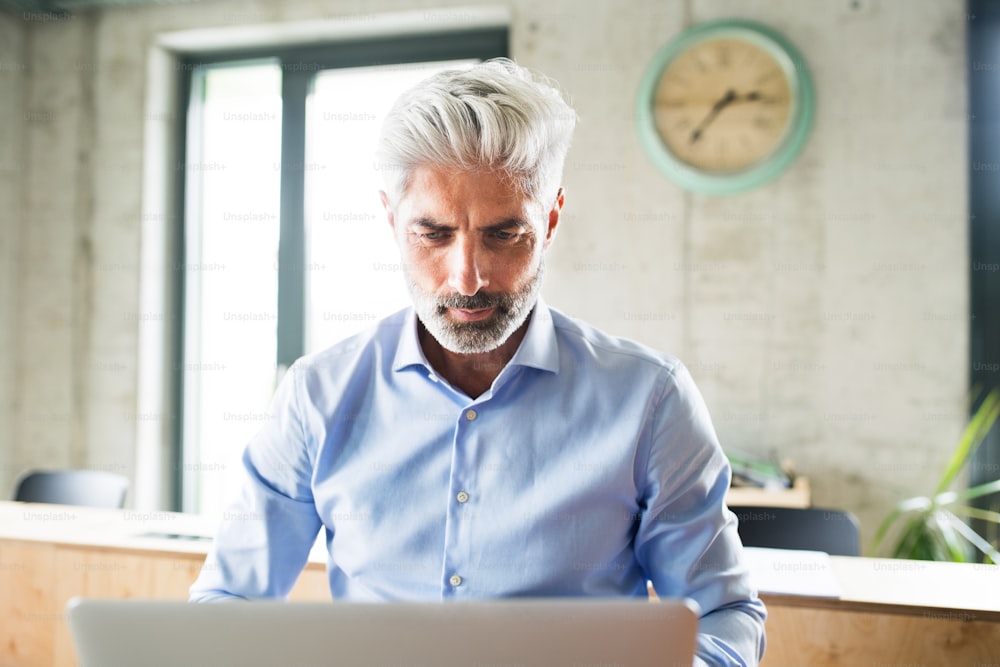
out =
column 497, row 633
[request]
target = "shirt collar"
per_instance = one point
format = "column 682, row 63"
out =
column 538, row 349
column 408, row 352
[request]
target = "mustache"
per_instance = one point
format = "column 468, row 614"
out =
column 475, row 302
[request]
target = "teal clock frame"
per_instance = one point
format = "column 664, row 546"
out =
column 772, row 165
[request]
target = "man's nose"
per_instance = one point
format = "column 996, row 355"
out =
column 466, row 267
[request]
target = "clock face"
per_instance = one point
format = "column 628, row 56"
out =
column 723, row 105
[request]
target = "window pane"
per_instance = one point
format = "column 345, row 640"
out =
column 234, row 148
column 353, row 276
column 233, row 183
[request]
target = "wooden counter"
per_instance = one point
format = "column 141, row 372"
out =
column 50, row 553
column 889, row 612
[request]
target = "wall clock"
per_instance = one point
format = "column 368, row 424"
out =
column 725, row 107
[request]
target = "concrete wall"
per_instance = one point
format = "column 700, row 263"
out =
column 13, row 67
column 824, row 315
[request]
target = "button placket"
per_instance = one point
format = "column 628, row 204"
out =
column 463, row 476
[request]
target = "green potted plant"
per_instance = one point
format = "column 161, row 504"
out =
column 932, row 527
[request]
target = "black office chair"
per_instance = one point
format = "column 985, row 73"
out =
column 812, row 528
column 90, row 488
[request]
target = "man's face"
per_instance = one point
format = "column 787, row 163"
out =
column 472, row 249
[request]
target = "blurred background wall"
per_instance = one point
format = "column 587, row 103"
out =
column 824, row 316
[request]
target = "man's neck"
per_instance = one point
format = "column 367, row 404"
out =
column 472, row 373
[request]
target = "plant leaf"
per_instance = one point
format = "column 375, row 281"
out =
column 976, row 513
column 930, row 528
column 977, row 428
column 907, row 506
column 974, row 538
column 914, row 541
column 984, row 489
column 952, row 545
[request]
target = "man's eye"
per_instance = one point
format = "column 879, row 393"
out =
column 505, row 236
column 432, row 236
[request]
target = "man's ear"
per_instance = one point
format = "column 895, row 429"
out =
column 388, row 210
column 554, row 214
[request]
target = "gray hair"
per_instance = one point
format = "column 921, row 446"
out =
column 496, row 115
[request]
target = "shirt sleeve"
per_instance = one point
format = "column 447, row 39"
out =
column 263, row 540
column 687, row 540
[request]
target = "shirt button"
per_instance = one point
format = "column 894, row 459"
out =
column 470, row 415
column 455, row 580
column 462, row 497
column 432, row 378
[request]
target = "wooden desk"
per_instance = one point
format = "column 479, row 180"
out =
column 50, row 553
column 890, row 612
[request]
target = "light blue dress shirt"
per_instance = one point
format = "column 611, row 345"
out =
column 590, row 466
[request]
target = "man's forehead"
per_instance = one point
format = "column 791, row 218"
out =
column 442, row 193
column 448, row 179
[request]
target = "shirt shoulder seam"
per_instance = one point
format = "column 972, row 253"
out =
column 669, row 365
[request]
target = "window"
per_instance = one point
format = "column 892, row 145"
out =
column 984, row 238
column 285, row 245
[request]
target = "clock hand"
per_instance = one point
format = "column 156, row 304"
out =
column 725, row 101
column 729, row 98
column 755, row 96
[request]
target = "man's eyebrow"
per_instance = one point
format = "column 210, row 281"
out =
column 431, row 225
column 505, row 224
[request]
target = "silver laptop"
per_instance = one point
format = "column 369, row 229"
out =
column 557, row 632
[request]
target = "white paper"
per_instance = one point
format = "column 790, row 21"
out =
column 792, row 572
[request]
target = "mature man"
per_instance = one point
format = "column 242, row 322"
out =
column 482, row 444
